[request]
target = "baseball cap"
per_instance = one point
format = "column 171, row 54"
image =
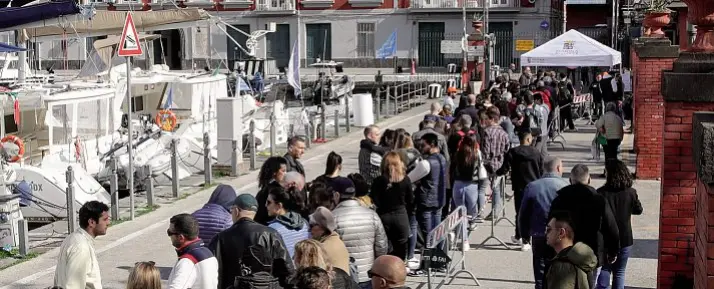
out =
column 246, row 202
column 323, row 217
column 344, row 186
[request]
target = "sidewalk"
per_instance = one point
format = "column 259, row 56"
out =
column 145, row 238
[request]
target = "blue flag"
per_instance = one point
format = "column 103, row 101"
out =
column 293, row 73
column 169, row 99
column 389, row 48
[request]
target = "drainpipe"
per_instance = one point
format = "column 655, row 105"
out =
column 21, row 57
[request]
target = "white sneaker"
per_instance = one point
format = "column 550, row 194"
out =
column 413, row 264
column 526, row 247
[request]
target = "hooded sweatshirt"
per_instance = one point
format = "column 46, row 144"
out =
column 215, row 215
column 571, row 267
column 292, row 227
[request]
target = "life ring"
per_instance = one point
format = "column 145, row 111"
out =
column 19, row 143
column 166, row 120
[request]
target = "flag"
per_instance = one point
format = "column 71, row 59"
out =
column 293, row 73
column 389, row 48
column 169, row 99
column 16, row 108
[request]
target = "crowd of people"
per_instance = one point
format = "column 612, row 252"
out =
column 363, row 230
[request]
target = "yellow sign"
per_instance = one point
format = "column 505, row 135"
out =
column 524, row 45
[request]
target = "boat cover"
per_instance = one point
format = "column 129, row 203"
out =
column 14, row 16
column 9, row 48
column 112, row 22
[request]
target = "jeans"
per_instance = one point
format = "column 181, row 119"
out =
column 413, row 237
column 428, row 218
column 365, row 285
column 617, row 270
column 611, row 149
column 542, row 254
column 468, row 195
column 497, row 202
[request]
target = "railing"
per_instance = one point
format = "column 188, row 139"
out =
column 274, row 5
column 458, row 4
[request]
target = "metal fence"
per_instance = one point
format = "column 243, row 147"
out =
column 505, row 51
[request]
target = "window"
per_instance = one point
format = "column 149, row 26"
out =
column 365, row 40
column 138, row 103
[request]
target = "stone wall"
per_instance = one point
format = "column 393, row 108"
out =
column 649, row 59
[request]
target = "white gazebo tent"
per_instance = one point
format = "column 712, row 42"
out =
column 572, row 49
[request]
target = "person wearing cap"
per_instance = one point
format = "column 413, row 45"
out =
column 250, row 253
column 362, row 232
column 215, row 216
column 322, row 229
column 425, row 127
column 450, row 95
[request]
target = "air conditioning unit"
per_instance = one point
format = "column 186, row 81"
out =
column 271, row 26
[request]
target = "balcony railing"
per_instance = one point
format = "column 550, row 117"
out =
column 274, row 5
column 458, row 4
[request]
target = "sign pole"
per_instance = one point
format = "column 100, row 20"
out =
column 129, row 46
column 129, row 149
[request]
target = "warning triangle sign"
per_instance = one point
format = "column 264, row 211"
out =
column 129, row 44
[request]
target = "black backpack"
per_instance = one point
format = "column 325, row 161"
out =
column 531, row 122
column 565, row 95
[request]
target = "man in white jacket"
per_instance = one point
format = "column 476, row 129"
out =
column 77, row 265
column 196, row 267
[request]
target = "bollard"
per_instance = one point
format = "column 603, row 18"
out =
column 149, row 186
column 272, row 135
column 207, row 168
column 114, row 189
column 323, row 122
column 71, row 216
column 24, row 246
column 347, row 111
column 174, row 169
column 337, row 123
column 251, row 142
column 234, row 158
column 378, row 108
column 386, row 101
column 308, row 131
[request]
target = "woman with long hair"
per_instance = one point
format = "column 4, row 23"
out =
column 271, row 174
column 393, row 195
column 287, row 221
column 389, row 137
column 321, row 195
column 144, row 275
column 465, row 171
column 333, row 167
column 310, row 253
column 624, row 202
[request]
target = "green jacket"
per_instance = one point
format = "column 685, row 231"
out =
column 570, row 268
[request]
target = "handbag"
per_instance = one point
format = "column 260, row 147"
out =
column 482, row 173
column 601, row 139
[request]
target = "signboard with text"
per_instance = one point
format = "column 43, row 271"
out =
column 524, row 45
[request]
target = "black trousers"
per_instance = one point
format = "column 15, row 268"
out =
column 566, row 114
column 611, row 149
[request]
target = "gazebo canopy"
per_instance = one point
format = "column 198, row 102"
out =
column 572, row 49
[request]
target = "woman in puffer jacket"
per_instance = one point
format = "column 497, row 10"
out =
column 215, row 215
column 289, row 224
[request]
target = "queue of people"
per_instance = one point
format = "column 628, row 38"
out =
column 363, row 230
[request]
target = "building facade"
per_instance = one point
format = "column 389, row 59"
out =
column 348, row 31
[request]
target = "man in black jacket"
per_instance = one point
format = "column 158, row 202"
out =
column 248, row 253
column 296, row 148
column 595, row 223
column 471, row 111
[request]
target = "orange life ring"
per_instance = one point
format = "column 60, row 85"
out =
column 166, row 120
column 18, row 142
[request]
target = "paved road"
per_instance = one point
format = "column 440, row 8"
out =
column 145, row 238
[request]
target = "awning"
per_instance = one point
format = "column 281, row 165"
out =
column 572, row 49
column 9, row 48
column 16, row 16
column 112, row 22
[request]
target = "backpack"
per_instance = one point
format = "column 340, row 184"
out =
column 565, row 95
column 531, row 121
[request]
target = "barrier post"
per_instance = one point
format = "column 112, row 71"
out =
column 323, row 123
column 234, row 158
column 337, row 123
column 114, row 188
column 347, row 111
column 396, row 104
column 272, row 135
column 386, row 100
column 207, row 169
column 378, row 108
column 149, row 186
column 308, row 130
column 174, row 169
column 251, row 147
column 71, row 215
column 24, row 246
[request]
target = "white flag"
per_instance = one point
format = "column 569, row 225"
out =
column 293, row 72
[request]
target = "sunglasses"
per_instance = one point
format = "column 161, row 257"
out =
column 371, row 274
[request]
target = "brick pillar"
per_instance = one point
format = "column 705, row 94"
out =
column 703, row 154
column 687, row 91
column 649, row 58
